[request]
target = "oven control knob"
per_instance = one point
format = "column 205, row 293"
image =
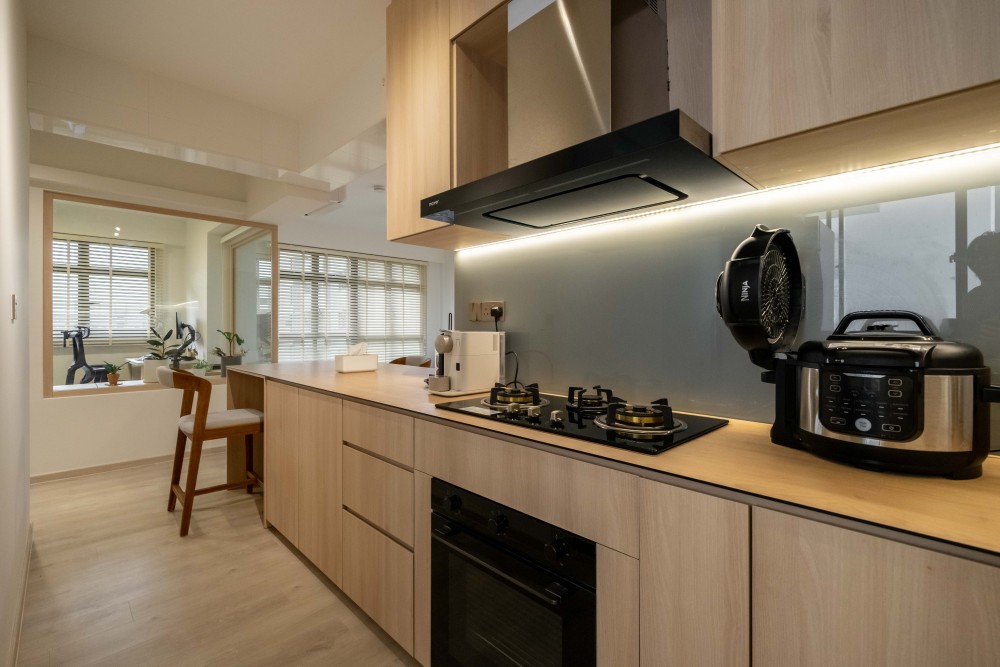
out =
column 557, row 550
column 453, row 503
column 556, row 419
column 499, row 523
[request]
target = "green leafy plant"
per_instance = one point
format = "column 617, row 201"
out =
column 113, row 369
column 158, row 347
column 202, row 363
column 235, row 342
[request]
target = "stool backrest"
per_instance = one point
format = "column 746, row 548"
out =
column 192, row 385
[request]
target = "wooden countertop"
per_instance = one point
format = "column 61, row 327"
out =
column 739, row 456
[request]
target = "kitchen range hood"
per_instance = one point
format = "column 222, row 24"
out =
column 651, row 165
column 608, row 76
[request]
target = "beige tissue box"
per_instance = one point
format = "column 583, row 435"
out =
column 356, row 363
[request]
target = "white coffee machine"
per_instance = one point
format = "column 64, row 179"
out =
column 473, row 361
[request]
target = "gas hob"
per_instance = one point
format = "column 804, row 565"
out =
column 595, row 415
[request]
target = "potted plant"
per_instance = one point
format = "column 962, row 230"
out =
column 160, row 353
column 114, row 372
column 234, row 355
column 200, row 367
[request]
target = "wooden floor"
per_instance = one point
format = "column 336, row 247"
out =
column 111, row 583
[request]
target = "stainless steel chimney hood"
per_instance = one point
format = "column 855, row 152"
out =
column 650, row 165
column 594, row 74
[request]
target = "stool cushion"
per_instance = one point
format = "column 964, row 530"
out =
column 222, row 419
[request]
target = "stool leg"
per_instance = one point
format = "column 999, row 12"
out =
column 175, row 476
column 192, row 480
column 248, row 445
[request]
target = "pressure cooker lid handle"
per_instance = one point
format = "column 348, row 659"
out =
column 923, row 324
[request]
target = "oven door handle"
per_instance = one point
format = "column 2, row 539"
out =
column 550, row 590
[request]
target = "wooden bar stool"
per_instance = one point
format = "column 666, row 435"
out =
column 199, row 427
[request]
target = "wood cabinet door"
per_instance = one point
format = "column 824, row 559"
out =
column 378, row 576
column 418, row 111
column 694, row 574
column 319, row 481
column 783, row 67
column 281, row 453
column 824, row 595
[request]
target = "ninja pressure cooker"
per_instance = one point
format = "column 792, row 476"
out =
column 883, row 391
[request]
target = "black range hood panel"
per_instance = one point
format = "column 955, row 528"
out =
column 649, row 165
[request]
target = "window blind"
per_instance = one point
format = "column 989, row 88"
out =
column 328, row 300
column 107, row 286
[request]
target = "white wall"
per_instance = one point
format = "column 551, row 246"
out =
column 129, row 426
column 14, row 424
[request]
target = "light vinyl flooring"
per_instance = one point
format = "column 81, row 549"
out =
column 112, row 583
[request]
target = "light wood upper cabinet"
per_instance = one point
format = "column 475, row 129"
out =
column 466, row 12
column 824, row 595
column 419, row 123
column 418, row 111
column 783, row 68
column 695, row 578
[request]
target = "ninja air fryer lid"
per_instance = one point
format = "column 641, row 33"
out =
column 890, row 338
column 760, row 293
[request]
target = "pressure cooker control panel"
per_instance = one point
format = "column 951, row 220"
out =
column 869, row 404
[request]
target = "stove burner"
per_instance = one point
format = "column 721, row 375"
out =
column 502, row 396
column 641, row 421
column 578, row 399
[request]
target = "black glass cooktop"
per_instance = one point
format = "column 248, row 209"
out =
column 586, row 425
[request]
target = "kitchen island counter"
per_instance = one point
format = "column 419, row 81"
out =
column 738, row 457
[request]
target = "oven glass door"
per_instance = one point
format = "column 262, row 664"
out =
column 491, row 608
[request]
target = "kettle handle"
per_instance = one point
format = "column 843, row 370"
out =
column 926, row 328
column 991, row 393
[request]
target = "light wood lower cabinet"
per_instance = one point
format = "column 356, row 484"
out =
column 695, row 578
column 378, row 576
column 381, row 432
column 590, row 500
column 281, row 454
column 824, row 595
column 302, row 472
column 380, row 492
column 617, row 609
column 319, row 482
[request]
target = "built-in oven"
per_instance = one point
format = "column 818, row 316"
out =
column 506, row 588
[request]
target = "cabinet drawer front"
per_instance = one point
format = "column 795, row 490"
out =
column 388, row 434
column 380, row 492
column 595, row 502
column 378, row 576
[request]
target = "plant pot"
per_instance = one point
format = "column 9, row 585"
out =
column 230, row 361
column 149, row 367
column 113, row 379
column 200, row 372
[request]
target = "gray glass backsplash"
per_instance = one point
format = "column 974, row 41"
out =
column 631, row 304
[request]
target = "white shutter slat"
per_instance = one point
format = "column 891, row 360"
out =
column 329, row 300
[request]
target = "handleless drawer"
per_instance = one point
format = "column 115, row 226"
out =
column 380, row 492
column 387, row 434
column 378, row 576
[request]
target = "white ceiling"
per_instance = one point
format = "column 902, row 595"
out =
column 280, row 55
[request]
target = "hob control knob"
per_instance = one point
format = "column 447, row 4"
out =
column 513, row 411
column 534, row 413
column 499, row 524
column 453, row 503
column 556, row 419
column 557, row 550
